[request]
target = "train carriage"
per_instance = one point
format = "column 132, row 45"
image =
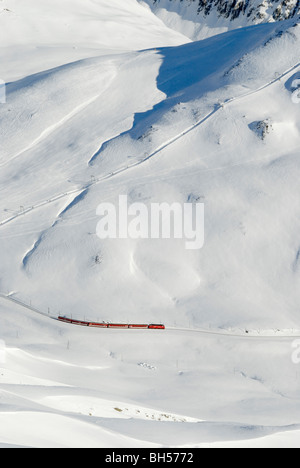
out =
column 137, row 326
column 118, row 325
column 98, row 325
column 64, row 319
column 80, row 322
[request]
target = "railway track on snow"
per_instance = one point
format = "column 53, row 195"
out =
column 248, row 335
column 218, row 107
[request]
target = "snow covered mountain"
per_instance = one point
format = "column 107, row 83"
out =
column 104, row 99
column 201, row 18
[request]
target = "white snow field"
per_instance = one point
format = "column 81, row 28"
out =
column 102, row 100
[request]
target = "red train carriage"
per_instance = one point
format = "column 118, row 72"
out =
column 135, row 326
column 74, row 322
column 64, row 319
column 118, row 325
column 98, row 325
column 80, row 322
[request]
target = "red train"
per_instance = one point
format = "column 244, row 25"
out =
column 136, row 326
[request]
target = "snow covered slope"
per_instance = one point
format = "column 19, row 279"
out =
column 35, row 38
column 155, row 117
column 198, row 19
column 62, row 143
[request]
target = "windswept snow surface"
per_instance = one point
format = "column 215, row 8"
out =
column 104, row 100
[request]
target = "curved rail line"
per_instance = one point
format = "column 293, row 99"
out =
column 166, row 144
column 221, row 333
column 115, row 326
column 96, row 181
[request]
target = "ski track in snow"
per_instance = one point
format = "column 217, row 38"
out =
column 165, row 145
column 51, row 129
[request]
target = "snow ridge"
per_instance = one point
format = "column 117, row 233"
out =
column 255, row 10
column 201, row 18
